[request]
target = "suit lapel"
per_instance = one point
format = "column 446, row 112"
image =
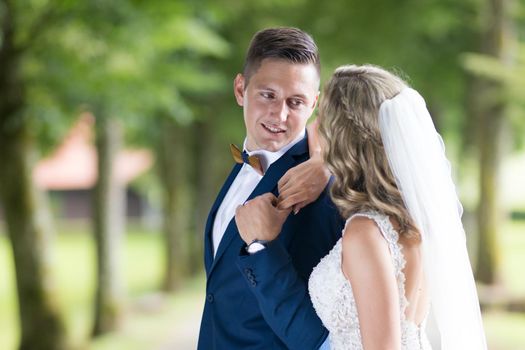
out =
column 267, row 184
column 208, row 239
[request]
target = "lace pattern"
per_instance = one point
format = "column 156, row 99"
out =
column 334, row 302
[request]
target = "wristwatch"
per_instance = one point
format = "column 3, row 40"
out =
column 256, row 245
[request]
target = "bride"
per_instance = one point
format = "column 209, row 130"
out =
column 403, row 249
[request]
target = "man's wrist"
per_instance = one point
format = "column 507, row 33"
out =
column 256, row 245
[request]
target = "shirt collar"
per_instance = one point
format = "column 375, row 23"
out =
column 267, row 158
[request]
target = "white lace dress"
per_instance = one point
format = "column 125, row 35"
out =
column 334, row 302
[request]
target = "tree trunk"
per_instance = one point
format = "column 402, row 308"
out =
column 40, row 322
column 489, row 210
column 208, row 156
column 109, row 199
column 497, row 42
column 175, row 162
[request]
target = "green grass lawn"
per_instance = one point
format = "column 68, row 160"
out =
column 154, row 321
column 513, row 258
column 141, row 263
column 506, row 331
column 74, row 258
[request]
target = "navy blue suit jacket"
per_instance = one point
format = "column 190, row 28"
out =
column 261, row 301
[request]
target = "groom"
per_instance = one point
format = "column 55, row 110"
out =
column 256, row 291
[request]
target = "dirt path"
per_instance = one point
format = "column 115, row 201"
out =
column 186, row 330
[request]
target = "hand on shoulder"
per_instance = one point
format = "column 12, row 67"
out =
column 304, row 183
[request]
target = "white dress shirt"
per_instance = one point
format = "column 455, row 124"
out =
column 241, row 188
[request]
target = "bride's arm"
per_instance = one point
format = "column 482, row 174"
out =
column 368, row 266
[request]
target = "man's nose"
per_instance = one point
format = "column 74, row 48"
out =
column 280, row 110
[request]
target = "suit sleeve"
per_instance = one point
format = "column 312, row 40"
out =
column 281, row 290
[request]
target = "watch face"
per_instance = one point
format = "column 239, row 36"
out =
column 255, row 247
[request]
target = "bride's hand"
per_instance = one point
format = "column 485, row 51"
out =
column 260, row 219
column 303, row 184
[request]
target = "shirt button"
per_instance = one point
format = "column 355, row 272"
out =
column 247, row 271
column 210, row 298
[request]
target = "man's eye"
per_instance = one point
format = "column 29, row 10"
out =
column 296, row 102
column 267, row 94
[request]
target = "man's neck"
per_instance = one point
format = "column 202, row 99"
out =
column 268, row 157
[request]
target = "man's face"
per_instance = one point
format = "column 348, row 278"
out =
column 279, row 99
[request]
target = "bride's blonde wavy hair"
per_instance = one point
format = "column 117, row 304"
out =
column 354, row 152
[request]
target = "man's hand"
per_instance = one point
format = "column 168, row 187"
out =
column 303, row 184
column 260, row 219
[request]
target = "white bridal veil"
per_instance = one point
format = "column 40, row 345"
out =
column 417, row 158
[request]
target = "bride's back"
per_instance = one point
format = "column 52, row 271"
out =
column 361, row 288
column 416, row 290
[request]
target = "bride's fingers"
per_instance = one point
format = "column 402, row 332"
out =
column 299, row 206
column 313, row 138
column 292, row 192
column 284, row 183
column 290, row 201
column 285, row 193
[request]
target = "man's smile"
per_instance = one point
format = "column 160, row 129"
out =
column 273, row 129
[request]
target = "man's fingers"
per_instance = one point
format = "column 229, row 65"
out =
column 238, row 210
column 267, row 196
column 285, row 204
column 283, row 213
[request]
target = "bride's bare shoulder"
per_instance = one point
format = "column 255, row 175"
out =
column 362, row 232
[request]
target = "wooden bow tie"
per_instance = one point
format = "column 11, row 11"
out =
column 243, row 157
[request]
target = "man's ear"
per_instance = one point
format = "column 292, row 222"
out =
column 316, row 100
column 238, row 89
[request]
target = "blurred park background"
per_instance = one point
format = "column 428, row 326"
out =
column 115, row 121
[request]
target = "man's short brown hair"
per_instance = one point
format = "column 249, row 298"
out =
column 286, row 43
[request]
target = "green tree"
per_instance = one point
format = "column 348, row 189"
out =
column 148, row 60
column 497, row 85
column 40, row 322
